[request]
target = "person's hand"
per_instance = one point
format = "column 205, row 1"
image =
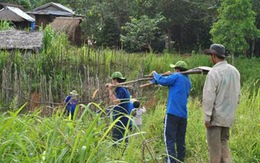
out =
column 109, row 86
column 152, row 73
column 154, row 81
column 207, row 124
column 167, row 73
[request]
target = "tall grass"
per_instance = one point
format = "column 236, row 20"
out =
column 32, row 138
column 60, row 67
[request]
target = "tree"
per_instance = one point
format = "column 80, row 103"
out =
column 256, row 44
column 140, row 33
column 25, row 3
column 185, row 23
column 235, row 26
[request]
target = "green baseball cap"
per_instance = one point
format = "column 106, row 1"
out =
column 117, row 75
column 179, row 64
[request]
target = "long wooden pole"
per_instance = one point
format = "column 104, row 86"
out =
column 196, row 70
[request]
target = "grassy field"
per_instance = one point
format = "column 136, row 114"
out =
column 31, row 134
column 32, row 138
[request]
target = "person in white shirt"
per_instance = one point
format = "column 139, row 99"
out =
column 137, row 112
column 221, row 94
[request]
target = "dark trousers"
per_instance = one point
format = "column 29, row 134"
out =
column 118, row 133
column 174, row 137
column 67, row 112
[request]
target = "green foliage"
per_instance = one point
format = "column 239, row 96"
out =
column 187, row 30
column 109, row 35
column 141, row 32
column 235, row 26
column 24, row 3
column 48, row 36
column 4, row 25
column 186, row 25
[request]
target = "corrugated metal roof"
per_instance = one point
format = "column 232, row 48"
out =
column 53, row 9
column 20, row 13
column 49, row 12
column 14, row 14
column 63, row 7
column 6, row 14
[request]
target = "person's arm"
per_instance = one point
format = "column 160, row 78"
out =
column 67, row 99
column 209, row 96
column 164, row 80
column 111, row 94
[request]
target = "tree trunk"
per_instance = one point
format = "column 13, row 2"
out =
column 168, row 40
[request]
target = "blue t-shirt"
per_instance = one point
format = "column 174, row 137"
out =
column 179, row 90
column 71, row 104
column 131, row 107
column 123, row 94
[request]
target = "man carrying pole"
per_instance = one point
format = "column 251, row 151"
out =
column 176, row 110
column 120, row 97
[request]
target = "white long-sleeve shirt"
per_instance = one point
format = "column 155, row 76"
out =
column 221, row 94
column 138, row 117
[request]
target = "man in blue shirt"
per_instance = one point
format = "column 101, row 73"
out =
column 120, row 97
column 176, row 110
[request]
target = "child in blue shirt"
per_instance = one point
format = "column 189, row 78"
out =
column 71, row 103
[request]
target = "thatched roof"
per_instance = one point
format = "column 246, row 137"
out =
column 53, row 9
column 66, row 24
column 15, row 39
column 69, row 25
column 14, row 14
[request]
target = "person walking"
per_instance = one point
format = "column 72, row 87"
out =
column 175, row 122
column 221, row 94
column 71, row 102
column 120, row 97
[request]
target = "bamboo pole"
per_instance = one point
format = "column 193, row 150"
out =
column 203, row 70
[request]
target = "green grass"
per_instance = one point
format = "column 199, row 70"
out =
column 32, row 138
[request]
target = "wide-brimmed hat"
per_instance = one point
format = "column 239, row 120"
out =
column 117, row 75
column 74, row 92
column 216, row 49
column 180, row 64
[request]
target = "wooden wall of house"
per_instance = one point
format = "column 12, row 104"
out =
column 22, row 25
column 78, row 36
column 42, row 20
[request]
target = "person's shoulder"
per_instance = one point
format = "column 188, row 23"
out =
column 234, row 69
column 175, row 75
column 213, row 72
column 180, row 75
column 122, row 89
